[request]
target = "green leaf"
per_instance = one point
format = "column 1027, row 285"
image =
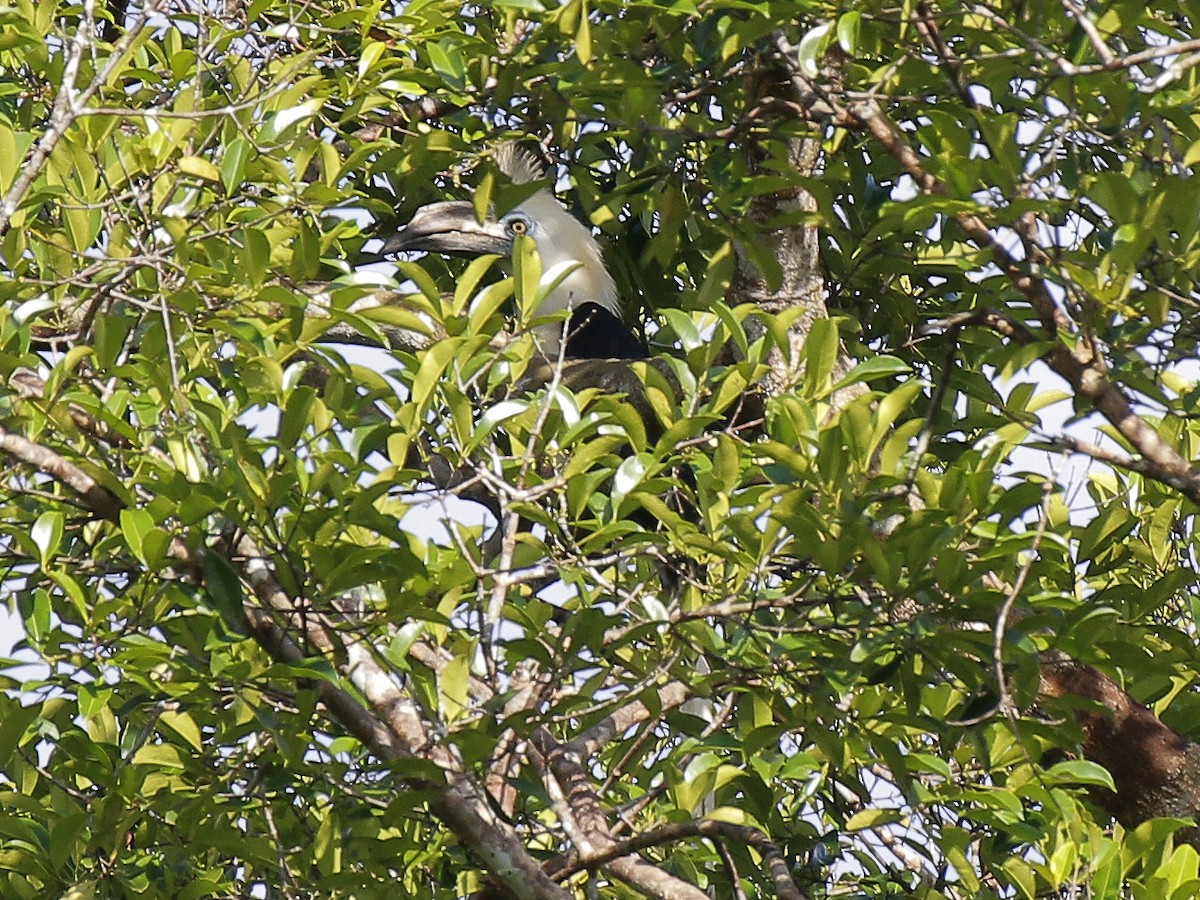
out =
column 481, row 201
column 165, row 756
column 872, row 818
column 47, row 532
column 429, row 374
column 453, row 688
column 583, row 36
column 306, row 253
column 224, row 589
column 425, row 284
column 233, row 163
column 875, row 367
column 135, row 525
column 468, row 282
column 13, row 146
column 370, row 54
column 819, row 354
column 628, row 476
column 296, row 416
column 185, row 726
column 1080, row 771
column 200, row 168
column 848, row 26
column 527, row 275
column 812, row 48
column 14, row 722
column 445, row 62
column 256, row 255
column 37, row 622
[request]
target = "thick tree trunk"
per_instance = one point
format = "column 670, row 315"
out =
column 1156, row 770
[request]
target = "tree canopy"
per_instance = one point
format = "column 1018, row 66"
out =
column 878, row 578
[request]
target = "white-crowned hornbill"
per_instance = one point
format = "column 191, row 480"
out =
column 596, row 329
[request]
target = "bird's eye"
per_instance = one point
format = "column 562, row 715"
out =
column 518, row 226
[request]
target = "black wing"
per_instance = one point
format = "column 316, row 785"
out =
column 595, row 333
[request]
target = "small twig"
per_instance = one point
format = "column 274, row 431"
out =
column 925, row 438
column 1004, row 325
column 731, row 869
column 1173, row 72
column 281, row 857
column 1095, row 451
column 1006, row 704
column 926, row 24
column 1079, row 11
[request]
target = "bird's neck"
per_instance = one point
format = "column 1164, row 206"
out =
column 588, row 283
column 571, row 242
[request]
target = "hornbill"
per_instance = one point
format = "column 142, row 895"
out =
column 595, row 329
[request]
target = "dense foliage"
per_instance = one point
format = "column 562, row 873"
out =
column 248, row 493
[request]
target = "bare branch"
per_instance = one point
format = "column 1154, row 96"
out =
column 1185, row 52
column 31, row 387
column 591, row 834
column 1007, row 706
column 94, row 495
column 622, row 719
column 1080, row 13
column 785, row 887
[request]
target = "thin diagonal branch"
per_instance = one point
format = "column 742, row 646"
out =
column 785, row 887
column 590, row 831
column 69, row 104
column 97, row 498
column 1082, row 366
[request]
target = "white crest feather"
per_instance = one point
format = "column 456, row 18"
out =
column 518, row 163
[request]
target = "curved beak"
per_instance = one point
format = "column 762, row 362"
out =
column 450, row 227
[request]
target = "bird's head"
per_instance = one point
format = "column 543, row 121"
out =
column 453, row 228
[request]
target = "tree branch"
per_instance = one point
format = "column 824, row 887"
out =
column 1083, row 368
column 391, row 727
column 30, row 387
column 590, row 741
column 592, row 836
column 97, row 498
column 1155, row 769
column 785, row 886
column 68, row 104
